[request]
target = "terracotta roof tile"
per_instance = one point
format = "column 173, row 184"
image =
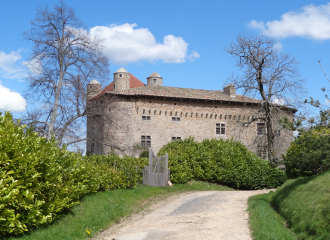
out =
column 184, row 93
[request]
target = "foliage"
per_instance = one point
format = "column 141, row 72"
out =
column 144, row 154
column 265, row 222
column 304, row 203
column 220, row 161
column 309, row 153
column 38, row 180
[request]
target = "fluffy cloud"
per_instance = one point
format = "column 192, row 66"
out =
column 9, row 67
column 278, row 101
column 11, row 101
column 126, row 43
column 310, row 22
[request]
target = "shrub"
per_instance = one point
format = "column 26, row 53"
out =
column 225, row 162
column 144, row 154
column 38, row 180
column 308, row 154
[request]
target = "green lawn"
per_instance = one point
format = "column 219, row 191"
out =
column 103, row 209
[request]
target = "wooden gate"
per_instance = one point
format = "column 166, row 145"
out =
column 157, row 173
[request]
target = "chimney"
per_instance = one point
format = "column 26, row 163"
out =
column 230, row 90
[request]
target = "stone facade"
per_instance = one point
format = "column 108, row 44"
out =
column 122, row 120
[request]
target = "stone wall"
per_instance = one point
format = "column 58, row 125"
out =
column 119, row 125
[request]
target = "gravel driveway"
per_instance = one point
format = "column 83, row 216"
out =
column 198, row 215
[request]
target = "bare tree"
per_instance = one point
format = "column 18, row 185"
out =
column 269, row 75
column 64, row 59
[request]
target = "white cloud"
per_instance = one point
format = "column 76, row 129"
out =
column 278, row 46
column 278, row 101
column 126, row 43
column 11, row 101
column 310, row 22
column 193, row 56
column 9, row 67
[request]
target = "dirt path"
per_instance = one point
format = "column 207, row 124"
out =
column 198, row 215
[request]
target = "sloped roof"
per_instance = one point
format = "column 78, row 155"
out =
column 183, row 93
column 134, row 83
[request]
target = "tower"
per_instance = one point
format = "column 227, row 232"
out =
column 93, row 88
column 121, row 80
column 154, row 80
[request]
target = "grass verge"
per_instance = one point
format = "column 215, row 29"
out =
column 101, row 210
column 305, row 204
column 265, row 222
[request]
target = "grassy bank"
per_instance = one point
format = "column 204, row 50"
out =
column 299, row 209
column 265, row 222
column 305, row 204
column 103, row 209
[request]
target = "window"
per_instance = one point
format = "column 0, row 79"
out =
column 114, row 86
column 176, row 138
column 120, row 75
column 260, row 128
column 176, row 119
column 220, row 128
column 154, row 80
column 146, row 141
column 145, row 117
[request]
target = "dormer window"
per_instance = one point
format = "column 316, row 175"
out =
column 120, row 75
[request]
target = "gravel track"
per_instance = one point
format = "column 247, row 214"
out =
column 198, row 215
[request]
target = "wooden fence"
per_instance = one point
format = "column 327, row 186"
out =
column 157, row 173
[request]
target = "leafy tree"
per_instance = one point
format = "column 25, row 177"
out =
column 309, row 153
column 271, row 76
column 64, row 59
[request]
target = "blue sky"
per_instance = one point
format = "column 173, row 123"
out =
column 181, row 40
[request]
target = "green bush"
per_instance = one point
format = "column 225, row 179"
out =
column 308, row 154
column 220, row 161
column 144, row 154
column 38, row 180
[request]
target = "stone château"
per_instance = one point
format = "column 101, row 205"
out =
column 128, row 114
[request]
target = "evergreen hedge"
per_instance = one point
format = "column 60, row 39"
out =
column 38, row 180
column 220, row 161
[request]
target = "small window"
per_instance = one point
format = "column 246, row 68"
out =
column 154, row 80
column 123, row 88
column 175, row 138
column 176, row 119
column 174, row 103
column 215, row 106
column 261, row 129
column 220, row 128
column 145, row 117
column 149, row 101
column 120, row 75
column 114, row 86
column 146, row 141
